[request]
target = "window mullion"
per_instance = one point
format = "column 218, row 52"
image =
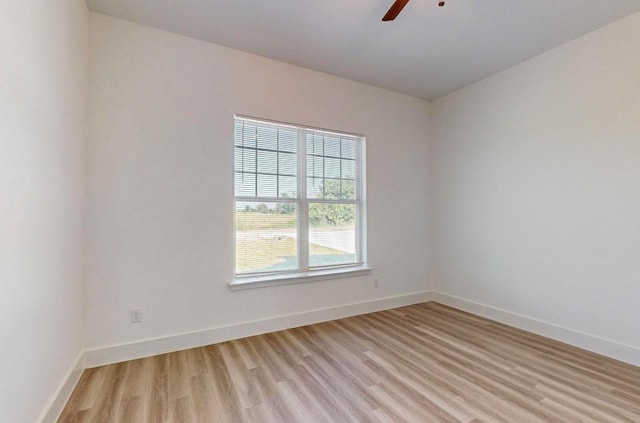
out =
column 359, row 186
column 303, row 204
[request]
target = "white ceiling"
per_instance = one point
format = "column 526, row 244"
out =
column 426, row 52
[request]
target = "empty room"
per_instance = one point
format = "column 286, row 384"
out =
column 320, row 211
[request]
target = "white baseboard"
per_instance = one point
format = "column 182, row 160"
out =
column 123, row 352
column 59, row 400
column 607, row 347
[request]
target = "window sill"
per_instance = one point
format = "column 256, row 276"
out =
column 248, row 282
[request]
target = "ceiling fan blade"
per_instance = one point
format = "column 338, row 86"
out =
column 395, row 9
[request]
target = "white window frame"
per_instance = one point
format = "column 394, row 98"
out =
column 305, row 273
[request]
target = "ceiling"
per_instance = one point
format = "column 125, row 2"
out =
column 426, row 52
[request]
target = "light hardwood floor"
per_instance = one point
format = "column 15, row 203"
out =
column 422, row 363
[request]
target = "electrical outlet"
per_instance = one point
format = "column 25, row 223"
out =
column 136, row 315
column 376, row 282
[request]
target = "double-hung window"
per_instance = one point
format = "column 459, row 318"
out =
column 298, row 200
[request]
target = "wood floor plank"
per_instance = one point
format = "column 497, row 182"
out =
column 245, row 390
column 415, row 364
column 158, row 405
column 204, row 408
column 110, row 397
column 131, row 410
column 84, row 396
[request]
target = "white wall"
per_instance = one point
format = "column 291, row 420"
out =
column 160, row 181
column 43, row 81
column 536, row 187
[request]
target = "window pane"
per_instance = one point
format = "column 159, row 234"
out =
column 267, row 138
column 348, row 149
column 267, row 161
column 331, row 188
column 315, row 166
column 288, row 187
column 245, row 184
column 288, row 141
column 331, row 168
column 332, row 234
column 287, row 163
column 314, row 188
column 348, row 190
column 245, row 159
column 267, row 185
column 237, row 133
column 332, row 147
column 315, row 144
column 245, row 135
column 348, row 169
column 265, row 237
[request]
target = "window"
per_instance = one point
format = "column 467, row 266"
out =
column 298, row 199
